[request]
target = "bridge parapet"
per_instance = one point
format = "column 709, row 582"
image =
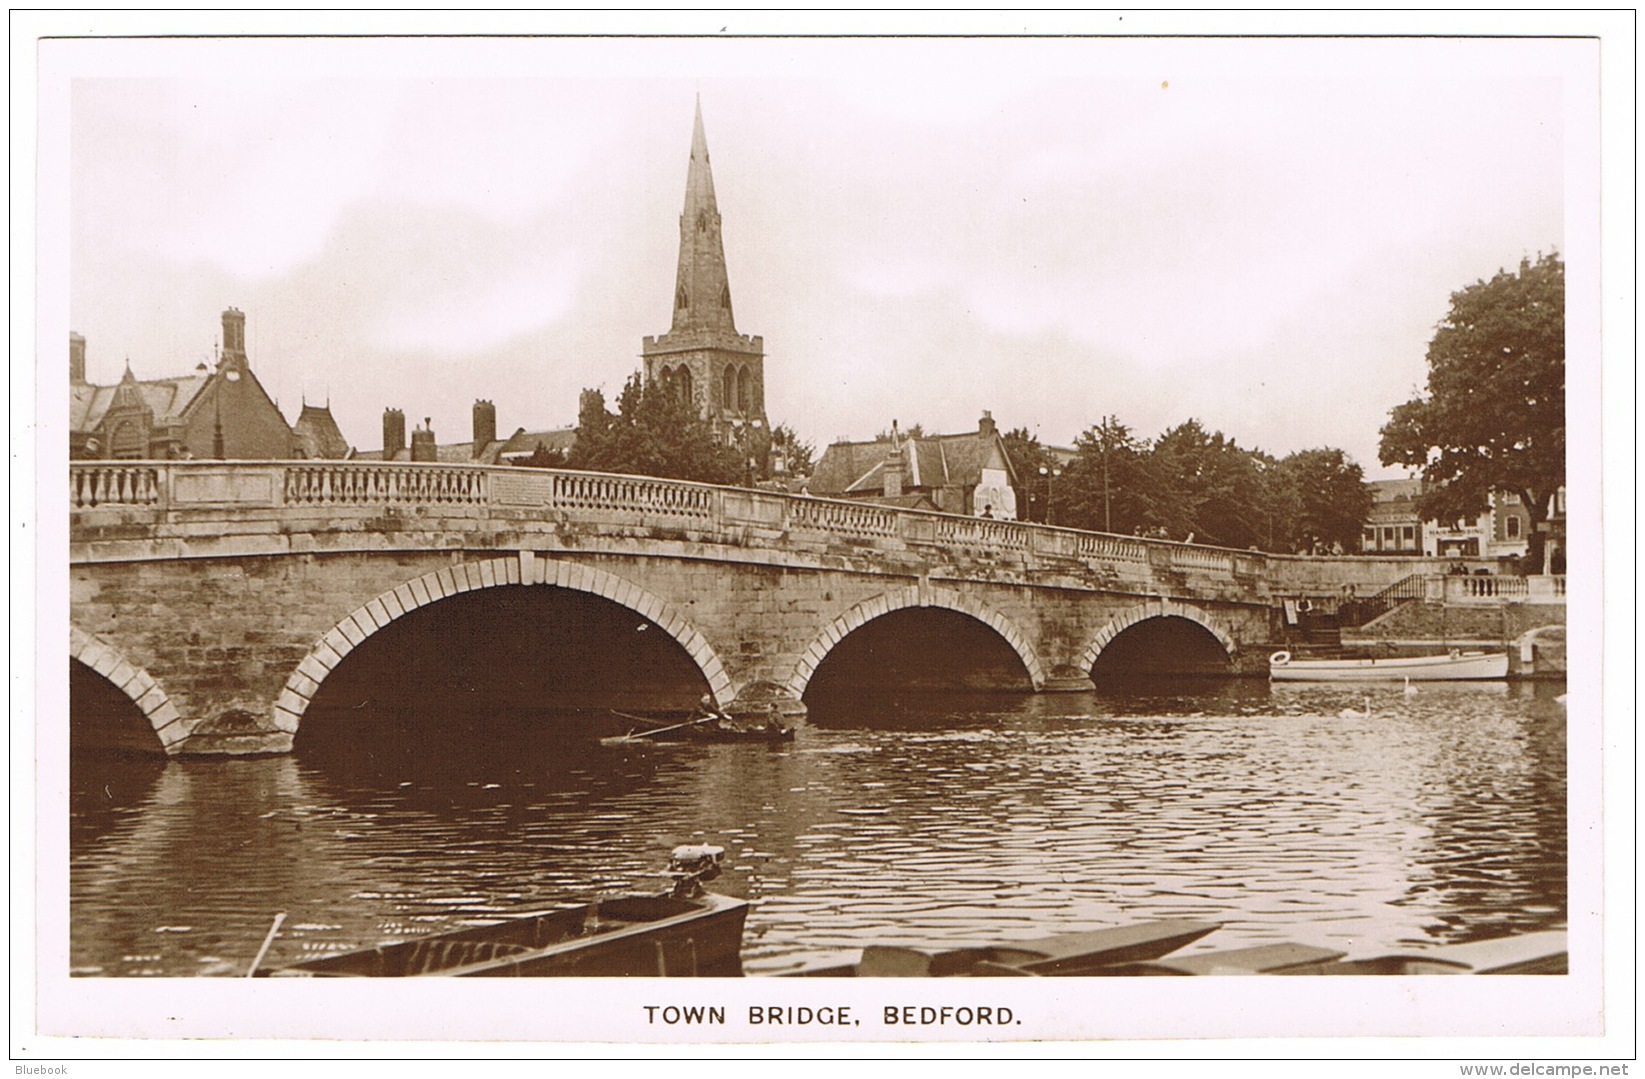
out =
column 188, row 498
column 194, row 501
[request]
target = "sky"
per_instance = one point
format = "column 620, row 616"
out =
column 1258, row 234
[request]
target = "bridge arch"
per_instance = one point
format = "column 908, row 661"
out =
column 525, row 569
column 133, row 681
column 913, row 596
column 1156, row 608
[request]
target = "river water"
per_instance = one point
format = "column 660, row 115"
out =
column 1359, row 818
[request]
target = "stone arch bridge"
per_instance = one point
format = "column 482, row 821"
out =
column 221, row 598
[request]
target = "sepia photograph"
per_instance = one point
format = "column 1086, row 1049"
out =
column 785, row 510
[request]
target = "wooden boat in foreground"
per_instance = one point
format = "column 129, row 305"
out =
column 1146, row 951
column 1452, row 666
column 1067, row 954
column 684, row 932
column 1528, row 953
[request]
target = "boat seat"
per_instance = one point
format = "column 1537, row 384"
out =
column 429, row 956
column 891, row 961
column 1263, row 959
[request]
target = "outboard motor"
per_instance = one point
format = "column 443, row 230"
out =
column 692, row 864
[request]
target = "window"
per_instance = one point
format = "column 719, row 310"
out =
column 1513, row 526
column 1408, row 536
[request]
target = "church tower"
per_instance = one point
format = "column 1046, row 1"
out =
column 702, row 357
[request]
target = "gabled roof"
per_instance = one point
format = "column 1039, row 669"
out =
column 167, row 398
column 929, row 463
column 320, row 435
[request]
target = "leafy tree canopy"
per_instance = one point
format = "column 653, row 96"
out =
column 796, row 455
column 654, row 433
column 1028, row 457
column 1320, row 501
column 1493, row 414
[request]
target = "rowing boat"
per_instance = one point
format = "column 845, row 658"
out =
column 1527, row 953
column 684, row 932
column 1452, row 666
column 714, row 727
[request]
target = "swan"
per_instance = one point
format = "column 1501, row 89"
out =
column 1349, row 713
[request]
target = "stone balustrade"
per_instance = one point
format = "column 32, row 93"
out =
column 1496, row 589
column 162, row 491
column 114, row 485
column 300, row 487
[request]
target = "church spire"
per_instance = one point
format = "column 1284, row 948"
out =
column 702, row 292
column 702, row 359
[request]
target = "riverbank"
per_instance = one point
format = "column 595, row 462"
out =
column 1533, row 634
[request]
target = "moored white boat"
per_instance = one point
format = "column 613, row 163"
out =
column 1452, row 666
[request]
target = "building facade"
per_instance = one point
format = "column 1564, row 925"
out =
column 968, row 473
column 213, row 413
column 1394, row 526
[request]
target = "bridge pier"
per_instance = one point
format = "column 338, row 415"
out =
column 1065, row 678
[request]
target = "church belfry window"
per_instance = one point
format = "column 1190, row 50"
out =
column 680, row 297
column 702, row 220
column 725, row 296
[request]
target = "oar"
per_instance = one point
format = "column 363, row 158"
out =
column 629, row 715
column 268, row 940
column 675, row 727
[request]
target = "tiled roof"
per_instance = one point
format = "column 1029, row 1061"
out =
column 1395, row 490
column 930, row 462
column 167, row 398
column 320, row 434
column 521, row 443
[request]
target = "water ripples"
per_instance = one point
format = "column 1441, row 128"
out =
column 927, row 822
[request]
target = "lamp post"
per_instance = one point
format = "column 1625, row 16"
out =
column 1050, row 472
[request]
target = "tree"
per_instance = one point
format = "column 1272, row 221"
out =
column 1493, row 416
column 1104, row 488
column 1319, row 500
column 916, row 430
column 1035, row 467
column 543, row 457
column 1206, row 487
column 654, row 433
column 797, row 456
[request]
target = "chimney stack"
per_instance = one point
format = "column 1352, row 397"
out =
column 234, row 334
column 394, row 432
column 77, row 359
column 893, row 472
column 985, row 426
column 485, row 426
column 422, row 442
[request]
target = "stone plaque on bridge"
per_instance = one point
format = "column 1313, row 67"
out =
column 236, row 486
column 527, row 488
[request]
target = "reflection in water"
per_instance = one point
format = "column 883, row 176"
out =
column 1360, row 817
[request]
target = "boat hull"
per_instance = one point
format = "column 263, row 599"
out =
column 1464, row 666
column 1065, row 955
column 627, row 936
